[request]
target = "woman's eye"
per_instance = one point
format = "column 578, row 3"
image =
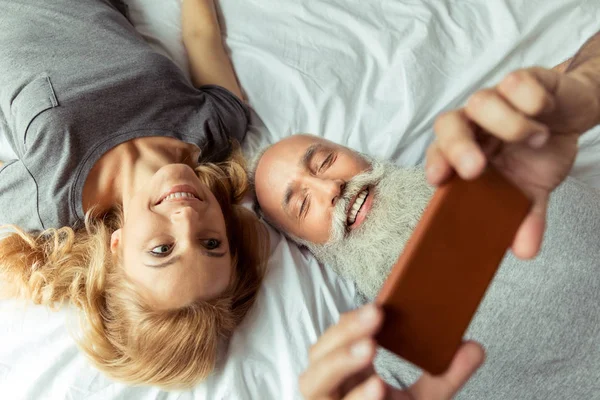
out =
column 162, row 250
column 211, row 244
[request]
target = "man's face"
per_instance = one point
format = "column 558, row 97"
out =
column 364, row 247
column 300, row 180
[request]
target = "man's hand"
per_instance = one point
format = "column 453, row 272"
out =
column 527, row 127
column 341, row 365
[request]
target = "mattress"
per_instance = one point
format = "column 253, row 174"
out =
column 371, row 75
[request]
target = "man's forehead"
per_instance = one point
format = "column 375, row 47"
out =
column 278, row 165
column 287, row 156
column 296, row 146
column 281, row 163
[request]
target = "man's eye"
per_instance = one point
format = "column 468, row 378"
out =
column 162, row 250
column 303, row 207
column 326, row 163
column 211, row 244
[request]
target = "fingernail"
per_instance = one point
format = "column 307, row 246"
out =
column 368, row 314
column 361, row 349
column 373, row 390
column 468, row 165
column 538, row 139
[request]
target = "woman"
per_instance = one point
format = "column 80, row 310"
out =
column 125, row 195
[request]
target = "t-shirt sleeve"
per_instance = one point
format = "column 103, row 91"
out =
column 231, row 114
column 19, row 197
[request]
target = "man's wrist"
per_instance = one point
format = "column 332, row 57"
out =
column 563, row 66
column 589, row 75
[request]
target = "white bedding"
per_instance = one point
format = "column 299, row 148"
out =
column 369, row 74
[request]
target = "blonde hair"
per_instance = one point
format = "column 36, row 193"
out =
column 120, row 333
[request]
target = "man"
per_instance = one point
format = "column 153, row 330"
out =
column 355, row 214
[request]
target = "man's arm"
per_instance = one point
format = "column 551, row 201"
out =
column 208, row 60
column 586, row 63
column 562, row 67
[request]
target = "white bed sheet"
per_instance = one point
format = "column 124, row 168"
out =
column 369, row 74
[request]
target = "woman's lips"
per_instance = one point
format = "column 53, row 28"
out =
column 178, row 189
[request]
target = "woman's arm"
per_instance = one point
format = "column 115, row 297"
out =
column 208, row 60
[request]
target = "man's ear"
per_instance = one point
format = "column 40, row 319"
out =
column 115, row 241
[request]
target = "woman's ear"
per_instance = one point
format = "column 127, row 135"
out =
column 115, row 241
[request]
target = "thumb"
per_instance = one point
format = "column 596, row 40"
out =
column 529, row 237
column 548, row 78
column 467, row 360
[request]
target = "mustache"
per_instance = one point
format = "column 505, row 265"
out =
column 366, row 254
column 353, row 187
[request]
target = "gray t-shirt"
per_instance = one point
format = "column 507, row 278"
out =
column 77, row 80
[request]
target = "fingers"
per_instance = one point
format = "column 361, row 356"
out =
column 528, row 239
column 437, row 168
column 330, row 371
column 343, row 354
column 354, row 325
column 491, row 111
column 509, row 111
column 455, row 147
column 372, row 389
column 467, row 360
column 530, row 90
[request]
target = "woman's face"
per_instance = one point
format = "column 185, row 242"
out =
column 173, row 242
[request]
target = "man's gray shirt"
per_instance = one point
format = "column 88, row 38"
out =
column 76, row 80
column 540, row 319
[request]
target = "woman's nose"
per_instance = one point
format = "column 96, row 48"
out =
column 185, row 214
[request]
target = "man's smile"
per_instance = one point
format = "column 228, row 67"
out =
column 359, row 207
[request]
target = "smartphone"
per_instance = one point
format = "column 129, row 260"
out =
column 440, row 278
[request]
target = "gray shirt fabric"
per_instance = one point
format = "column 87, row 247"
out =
column 540, row 320
column 76, row 80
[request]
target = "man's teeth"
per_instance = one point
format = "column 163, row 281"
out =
column 179, row 195
column 360, row 199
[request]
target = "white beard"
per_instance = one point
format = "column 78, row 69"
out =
column 367, row 254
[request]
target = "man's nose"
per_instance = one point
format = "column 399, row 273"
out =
column 329, row 190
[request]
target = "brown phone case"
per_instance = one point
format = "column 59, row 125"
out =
column 436, row 285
